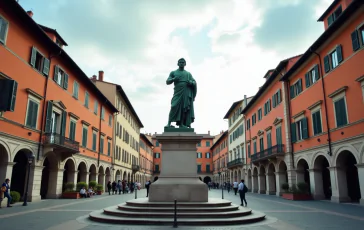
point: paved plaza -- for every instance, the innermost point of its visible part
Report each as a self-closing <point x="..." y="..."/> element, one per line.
<point x="64" y="214"/>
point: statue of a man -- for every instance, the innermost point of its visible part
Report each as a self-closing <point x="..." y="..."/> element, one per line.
<point x="185" y="90"/>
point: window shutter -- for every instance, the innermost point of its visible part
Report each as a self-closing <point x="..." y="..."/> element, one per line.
<point x="307" y="80"/>
<point x="55" y="76"/>
<point x="30" y="114"/>
<point x="293" y="133"/>
<point x="300" y="85"/>
<point x="330" y="20"/>
<point x="269" y="105"/>
<point x="279" y="96"/>
<point x="274" y="101"/>
<point x="33" y="56"/>
<point x="11" y="88"/>
<point x="355" y="40"/>
<point x="339" y="53"/>
<point x="3" y="26"/>
<point x="317" y="73"/>
<point x="46" y="65"/>
<point x="63" y="123"/>
<point x="327" y="63"/>
<point x="314" y="122"/>
<point x="304" y="128"/>
<point x="318" y="122"/>
<point x="205" y="155"/>
<point x="48" y="124"/>
<point x="291" y="91"/>
<point x="65" y="81"/>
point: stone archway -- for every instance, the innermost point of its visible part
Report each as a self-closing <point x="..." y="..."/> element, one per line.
<point x="347" y="176"/>
<point x="271" y="180"/>
<point x="20" y="171"/>
<point x="107" y="178"/>
<point x="239" y="175"/>
<point x="129" y="177"/>
<point x="82" y="172"/>
<point x="321" y="178"/>
<point x="262" y="180"/>
<point x="206" y="179"/>
<point x="124" y="175"/>
<point x="69" y="173"/>
<point x="51" y="186"/>
<point x="101" y="176"/>
<point x="303" y="174"/>
<point x="4" y="162"/>
<point x="117" y="175"/>
<point x="92" y="173"/>
<point x="255" y="180"/>
<point x="281" y="177"/>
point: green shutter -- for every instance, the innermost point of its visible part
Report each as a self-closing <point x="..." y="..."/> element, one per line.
<point x="84" y="137"/>
<point x="72" y="130"/>
<point x="340" y="109"/>
<point x="3" y="26"/>
<point x="304" y="128"/>
<point x="86" y="99"/>
<point x="293" y="133"/>
<point x="355" y="40"/>
<point x="10" y="90"/>
<point x="291" y="91"/>
<point x="274" y="101"/>
<point x="317" y="73"/>
<point x="46" y="66"/>
<point x="317" y="122"/>
<point x="279" y="136"/>
<point x="30" y="114"/>
<point x="35" y="115"/>
<point x="327" y="63"/>
<point x="307" y="80"/>
<point x="48" y="124"/>
<point x="101" y="145"/>
<point x="108" y="148"/>
<point x="63" y="123"/>
<point x="65" y="81"/>
<point x="279" y="96"/>
<point x="314" y="122"/>
<point x="330" y="20"/>
<point x="300" y="85"/>
<point x="55" y="76"/>
<point x="33" y="56"/>
<point x="339" y="53"/>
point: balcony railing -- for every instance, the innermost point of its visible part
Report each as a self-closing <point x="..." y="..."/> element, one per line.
<point x="135" y="167"/>
<point x="269" y="153"/>
<point x="60" y="143"/>
<point x="236" y="162"/>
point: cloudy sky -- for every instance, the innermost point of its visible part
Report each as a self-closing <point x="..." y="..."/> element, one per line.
<point x="228" y="45"/>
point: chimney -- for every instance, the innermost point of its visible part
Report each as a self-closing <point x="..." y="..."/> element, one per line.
<point x="208" y="132"/>
<point x="155" y="133"/>
<point x="30" y="13"/>
<point x="245" y="101"/>
<point x="101" y="75"/>
<point x="93" y="78"/>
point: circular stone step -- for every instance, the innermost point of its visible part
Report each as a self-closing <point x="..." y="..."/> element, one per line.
<point x="114" y="211"/>
<point x="181" y="209"/>
<point x="212" y="202"/>
<point x="100" y="216"/>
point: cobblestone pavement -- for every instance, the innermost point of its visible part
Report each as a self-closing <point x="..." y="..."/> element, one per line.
<point x="281" y="214"/>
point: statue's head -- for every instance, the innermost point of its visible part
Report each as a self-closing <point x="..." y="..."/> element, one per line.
<point x="181" y="63"/>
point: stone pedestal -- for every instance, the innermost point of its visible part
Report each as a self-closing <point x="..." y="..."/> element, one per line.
<point x="178" y="179"/>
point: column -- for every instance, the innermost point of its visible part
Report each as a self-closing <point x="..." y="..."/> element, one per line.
<point x="361" y="181"/>
<point x="262" y="183"/>
<point x="35" y="181"/>
<point x="292" y="177"/>
<point x="300" y="176"/>
<point x="338" y="179"/>
<point x="55" y="183"/>
<point x="316" y="186"/>
<point x="270" y="183"/>
<point x="280" y="179"/>
<point x="255" y="186"/>
<point x="6" y="170"/>
<point x="101" y="179"/>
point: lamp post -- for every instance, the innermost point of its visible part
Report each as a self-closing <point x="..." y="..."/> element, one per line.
<point x="30" y="161"/>
<point x="222" y="187"/>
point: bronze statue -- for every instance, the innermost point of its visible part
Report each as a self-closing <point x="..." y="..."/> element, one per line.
<point x="185" y="90"/>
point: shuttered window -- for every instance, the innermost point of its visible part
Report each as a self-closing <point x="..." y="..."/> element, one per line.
<point x="340" y="112"/>
<point x="3" y="29"/>
<point x="32" y="114"/>
<point x="84" y="137"/>
<point x="102" y="144"/>
<point x="75" y="89"/>
<point x="72" y="134"/>
<point x="87" y="98"/>
<point x="94" y="139"/>
<point x="108" y="148"/>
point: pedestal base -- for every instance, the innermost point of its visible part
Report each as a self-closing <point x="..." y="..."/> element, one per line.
<point x="182" y="189"/>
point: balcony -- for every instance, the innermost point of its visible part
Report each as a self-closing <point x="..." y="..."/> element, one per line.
<point x="135" y="168"/>
<point x="235" y="163"/>
<point x="156" y="171"/>
<point x="268" y="154"/>
<point x="60" y="144"/>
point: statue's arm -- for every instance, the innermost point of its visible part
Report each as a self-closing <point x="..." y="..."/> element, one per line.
<point x="170" y="79"/>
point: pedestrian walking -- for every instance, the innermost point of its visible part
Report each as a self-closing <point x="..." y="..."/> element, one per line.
<point x="147" y="185"/>
<point x="109" y="187"/>
<point x="235" y="187"/>
<point x="242" y="190"/>
<point x="6" y="191"/>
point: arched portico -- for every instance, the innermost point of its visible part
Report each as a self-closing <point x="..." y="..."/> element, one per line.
<point x="320" y="177"/>
<point x="271" y="180"/>
<point x="51" y="186"/>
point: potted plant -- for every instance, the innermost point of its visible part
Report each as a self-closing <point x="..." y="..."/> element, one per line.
<point x="297" y="192"/>
<point x="69" y="191"/>
<point x="99" y="189"/>
<point x="92" y="184"/>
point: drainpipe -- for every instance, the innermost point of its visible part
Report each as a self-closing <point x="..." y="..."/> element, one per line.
<point x="325" y="102"/>
<point x="98" y="155"/>
<point x="44" y="104"/>
<point x="289" y="117"/>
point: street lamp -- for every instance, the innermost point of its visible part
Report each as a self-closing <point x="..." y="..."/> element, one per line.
<point x="30" y="161"/>
<point x="222" y="187"/>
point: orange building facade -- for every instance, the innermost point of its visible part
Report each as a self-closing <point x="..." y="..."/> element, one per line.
<point x="268" y="155"/>
<point x="220" y="158"/>
<point x="204" y="164"/>
<point x="146" y="158"/>
<point x="327" y="107"/>
<point x="55" y="113"/>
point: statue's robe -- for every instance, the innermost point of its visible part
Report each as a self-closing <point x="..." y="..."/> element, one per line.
<point x="182" y="110"/>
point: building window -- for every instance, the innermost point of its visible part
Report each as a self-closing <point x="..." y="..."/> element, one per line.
<point x="96" y="106"/>
<point x="108" y="148"/>
<point x="39" y="62"/>
<point x="32" y="112"/>
<point x="87" y="98"/>
<point x="334" y="16"/>
<point x="312" y="76"/>
<point x="156" y="168"/>
<point x="267" y="107"/>
<point x="255" y="147"/>
<point x="199" y="155"/>
<point x="94" y="139"/>
<point x="247" y="125"/>
<point x="260" y="114"/>
<point x="110" y="120"/>
<point x="157" y="155"/>
<point x="198" y="168"/>
<point x="333" y="59"/>
<point x="75" y="89"/>
<point x="357" y="38"/>
<point x="279" y="135"/>
<point x="102" y="138"/>
<point x="208" y="168"/>
<point x="340" y="112"/>
<point x="261" y="144"/>
<point x="254" y="119"/>
<point x="269" y="140"/>
<point x="72" y="134"/>
<point x="3" y="29"/>
<point x="207" y="143"/>
<point x="60" y="77"/>
<point x="299" y="130"/>
<point x="316" y="122"/>
<point x="199" y="144"/>
<point x="296" y="88"/>
<point x="102" y="113"/>
<point x="84" y="137"/>
<point x="249" y="151"/>
<point x="207" y="155"/>
<point x="277" y="98"/>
